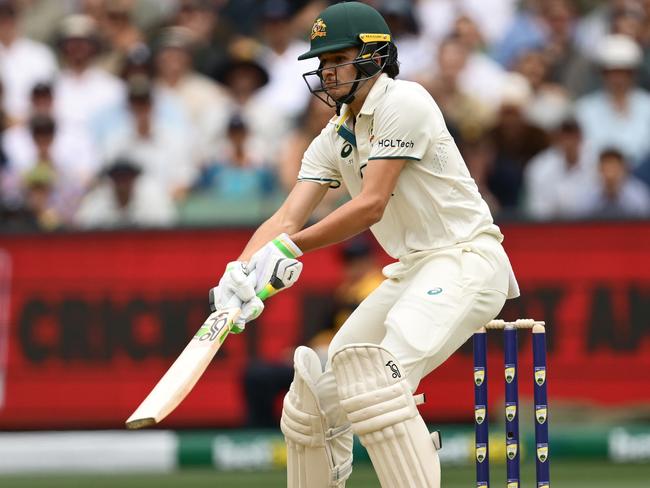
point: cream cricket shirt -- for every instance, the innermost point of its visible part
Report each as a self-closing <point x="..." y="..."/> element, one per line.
<point x="436" y="203"/>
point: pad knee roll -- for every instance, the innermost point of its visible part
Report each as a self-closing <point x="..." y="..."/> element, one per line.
<point x="311" y="461"/>
<point x="383" y="413"/>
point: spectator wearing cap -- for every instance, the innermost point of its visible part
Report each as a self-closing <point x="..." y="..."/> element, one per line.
<point x="634" y="21"/>
<point x="558" y="180"/>
<point x="593" y="27"/>
<point x="38" y="211"/>
<point x="514" y="141"/>
<point x="160" y="144"/>
<point x="619" y="114"/>
<point x="279" y="57"/>
<point x="618" y="194"/>
<point x="244" y="78"/>
<point x="23" y="62"/>
<point x="69" y="153"/>
<point x="167" y="109"/>
<point x="202" y="99"/>
<point x="42" y="142"/>
<point x="83" y="91"/>
<point x="238" y="185"/>
<point x="126" y="197"/>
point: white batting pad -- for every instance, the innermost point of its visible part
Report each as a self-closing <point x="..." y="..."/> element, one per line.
<point x="310" y="456"/>
<point x="383" y="413"/>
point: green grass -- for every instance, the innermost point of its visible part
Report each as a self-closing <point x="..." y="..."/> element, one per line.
<point x="563" y="475"/>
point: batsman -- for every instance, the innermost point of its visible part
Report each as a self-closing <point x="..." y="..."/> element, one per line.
<point x="389" y="146"/>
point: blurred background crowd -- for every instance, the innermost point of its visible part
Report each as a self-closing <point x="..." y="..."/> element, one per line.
<point x="194" y="112"/>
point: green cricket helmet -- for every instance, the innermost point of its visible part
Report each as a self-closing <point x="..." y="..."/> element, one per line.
<point x="344" y="25"/>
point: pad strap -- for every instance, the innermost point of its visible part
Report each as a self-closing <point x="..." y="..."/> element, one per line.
<point x="377" y="399"/>
<point x="310" y="454"/>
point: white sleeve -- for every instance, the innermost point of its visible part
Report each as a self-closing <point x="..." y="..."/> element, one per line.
<point x="318" y="165"/>
<point x="404" y="127"/>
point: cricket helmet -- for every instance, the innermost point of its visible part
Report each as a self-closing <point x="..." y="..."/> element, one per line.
<point x="351" y="24"/>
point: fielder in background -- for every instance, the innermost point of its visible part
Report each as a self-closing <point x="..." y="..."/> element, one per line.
<point x="409" y="185"/>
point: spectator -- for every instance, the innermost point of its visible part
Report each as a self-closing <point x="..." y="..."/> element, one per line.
<point x="238" y="186"/>
<point x="126" y="196"/>
<point x="210" y="36"/>
<point x="119" y="33"/>
<point x="42" y="99"/>
<point x="619" y="115"/>
<point x="634" y="22"/>
<point x="558" y="179"/>
<point x="481" y="75"/>
<point x="593" y="27"/>
<point x="279" y="57"/>
<point x="618" y="194"/>
<point x="549" y="100"/>
<point x="42" y="139"/>
<point x="23" y="63"/>
<point x="37" y="211"/>
<point x="437" y="16"/>
<point x="567" y="66"/>
<point x="160" y="144"/>
<point x="202" y="99"/>
<point x="414" y="51"/>
<point x="244" y="78"/>
<point x="82" y="91"/>
<point x="462" y="110"/>
<point x="5" y="193"/>
<point x="515" y="141"/>
<point x="526" y="32"/>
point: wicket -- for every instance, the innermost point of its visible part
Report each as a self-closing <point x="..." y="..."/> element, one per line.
<point x="511" y="402"/>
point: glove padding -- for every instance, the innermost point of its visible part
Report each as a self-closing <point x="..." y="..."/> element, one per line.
<point x="234" y="282"/>
<point x="249" y="311"/>
<point x="275" y="266"/>
<point x="237" y="289"/>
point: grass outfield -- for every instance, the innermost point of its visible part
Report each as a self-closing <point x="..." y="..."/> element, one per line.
<point x="563" y="475"/>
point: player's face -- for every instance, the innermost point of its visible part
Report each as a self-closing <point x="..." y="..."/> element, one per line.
<point x="337" y="79"/>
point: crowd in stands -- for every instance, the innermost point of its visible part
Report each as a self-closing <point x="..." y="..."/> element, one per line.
<point x="171" y="112"/>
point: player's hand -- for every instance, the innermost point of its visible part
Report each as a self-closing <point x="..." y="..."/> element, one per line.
<point x="275" y="266"/>
<point x="250" y="310"/>
<point x="235" y="283"/>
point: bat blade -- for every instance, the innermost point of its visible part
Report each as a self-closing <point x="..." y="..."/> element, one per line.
<point x="181" y="377"/>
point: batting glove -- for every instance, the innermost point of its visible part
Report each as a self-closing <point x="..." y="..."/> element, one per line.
<point x="275" y="266"/>
<point x="233" y="283"/>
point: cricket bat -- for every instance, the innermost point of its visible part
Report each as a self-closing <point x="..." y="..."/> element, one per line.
<point x="181" y="377"/>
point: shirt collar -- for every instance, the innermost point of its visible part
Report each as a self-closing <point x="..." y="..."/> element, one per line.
<point x="370" y="103"/>
<point x="375" y="95"/>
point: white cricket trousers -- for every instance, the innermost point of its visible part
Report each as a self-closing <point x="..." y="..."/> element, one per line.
<point x="428" y="306"/>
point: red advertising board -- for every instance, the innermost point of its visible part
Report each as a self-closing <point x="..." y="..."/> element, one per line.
<point x="95" y="319"/>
